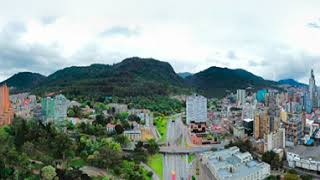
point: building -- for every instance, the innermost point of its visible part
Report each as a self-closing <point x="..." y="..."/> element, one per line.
<point x="294" y="129"/>
<point x="275" y="140"/>
<point x="23" y="105"/>
<point x="265" y="122"/>
<point x="304" y="157"/>
<point x="261" y="95"/>
<point x="241" y="97"/>
<point x="230" y="164"/>
<point x="115" y="108"/>
<point x="111" y="128"/>
<point x="196" y="109"/>
<point x="238" y="131"/>
<point x="54" y="109"/>
<point x="6" y="112"/>
<point x="248" y="126"/>
<point x="133" y="135"/>
<point x="145" y="115"/>
<point x="313" y="90"/>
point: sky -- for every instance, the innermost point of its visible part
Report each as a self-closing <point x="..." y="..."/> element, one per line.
<point x="273" y="39"/>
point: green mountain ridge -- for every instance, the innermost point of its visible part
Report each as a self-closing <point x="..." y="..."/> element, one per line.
<point x="139" y="77"/>
<point x="131" y="77"/>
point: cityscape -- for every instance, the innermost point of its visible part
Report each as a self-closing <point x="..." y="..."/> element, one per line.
<point x="159" y="90"/>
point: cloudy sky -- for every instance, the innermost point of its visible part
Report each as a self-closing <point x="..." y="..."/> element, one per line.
<point x="274" y="39"/>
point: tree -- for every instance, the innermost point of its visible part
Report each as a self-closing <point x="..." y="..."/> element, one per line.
<point x="119" y="129"/>
<point x="272" y="158"/>
<point x="108" y="154"/>
<point x="152" y="147"/>
<point x="121" y="139"/>
<point x="100" y="119"/>
<point x="48" y="172"/>
<point x="133" y="117"/>
<point x="121" y="116"/>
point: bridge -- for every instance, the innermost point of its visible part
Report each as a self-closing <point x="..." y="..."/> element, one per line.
<point x="187" y="150"/>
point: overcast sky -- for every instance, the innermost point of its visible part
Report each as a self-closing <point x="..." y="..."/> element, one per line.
<point x="274" y="39"/>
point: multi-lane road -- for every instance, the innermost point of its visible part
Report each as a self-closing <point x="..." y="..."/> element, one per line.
<point x="175" y="163"/>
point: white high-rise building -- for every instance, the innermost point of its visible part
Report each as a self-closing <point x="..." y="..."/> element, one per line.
<point x="197" y="110"/>
<point x="241" y="97"/>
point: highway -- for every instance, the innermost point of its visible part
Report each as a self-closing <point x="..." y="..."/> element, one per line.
<point x="177" y="163"/>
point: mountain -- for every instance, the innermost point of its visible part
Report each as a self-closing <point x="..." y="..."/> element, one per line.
<point x="292" y="82"/>
<point x="216" y="81"/>
<point x="131" y="77"/>
<point x="137" y="77"/>
<point x="184" y="74"/>
<point x="24" y="81"/>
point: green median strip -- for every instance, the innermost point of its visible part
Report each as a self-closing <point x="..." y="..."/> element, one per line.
<point x="161" y="125"/>
<point x="156" y="163"/>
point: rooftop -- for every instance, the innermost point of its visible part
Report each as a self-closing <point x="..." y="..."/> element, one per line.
<point x="306" y="152"/>
<point x="231" y="163"/>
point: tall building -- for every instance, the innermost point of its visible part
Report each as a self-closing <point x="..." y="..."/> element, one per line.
<point x="229" y="164"/>
<point x="241" y="97"/>
<point x="197" y="110"/>
<point x="275" y="140"/>
<point x="54" y="108"/>
<point x="6" y="112"/>
<point x="313" y="90"/>
<point x="294" y="129"/>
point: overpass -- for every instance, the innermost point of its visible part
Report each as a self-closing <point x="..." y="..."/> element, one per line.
<point x="188" y="150"/>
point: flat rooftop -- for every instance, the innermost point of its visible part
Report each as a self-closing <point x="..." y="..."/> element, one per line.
<point x="241" y="164"/>
<point x="306" y="152"/>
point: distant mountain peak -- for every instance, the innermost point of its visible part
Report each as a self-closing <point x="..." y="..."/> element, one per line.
<point x="184" y="74"/>
<point x="24" y="80"/>
<point x="217" y="81"/>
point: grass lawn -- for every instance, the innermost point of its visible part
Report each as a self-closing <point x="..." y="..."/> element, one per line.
<point x="161" y="124"/>
<point x="155" y="162"/>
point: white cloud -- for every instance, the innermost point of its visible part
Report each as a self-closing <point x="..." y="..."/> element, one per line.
<point x="274" y="39"/>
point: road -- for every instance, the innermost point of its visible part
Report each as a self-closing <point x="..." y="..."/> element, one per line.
<point x="175" y="162"/>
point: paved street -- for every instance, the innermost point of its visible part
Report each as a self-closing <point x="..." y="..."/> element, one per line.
<point x="172" y="162"/>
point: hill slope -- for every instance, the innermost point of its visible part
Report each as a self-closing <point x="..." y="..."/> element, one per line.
<point x="24" y="81"/>
<point x="292" y="82"/>
<point x="131" y="77"/>
<point x="216" y="81"/>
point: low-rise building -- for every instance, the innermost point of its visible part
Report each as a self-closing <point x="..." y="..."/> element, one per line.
<point x="133" y="135"/>
<point x="116" y="108"/>
<point x="238" y="131"/>
<point x="110" y="128"/>
<point x="145" y="115"/>
<point x="304" y="157"/>
<point x="230" y="164"/>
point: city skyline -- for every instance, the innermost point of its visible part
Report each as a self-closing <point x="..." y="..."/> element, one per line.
<point x="192" y="38"/>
